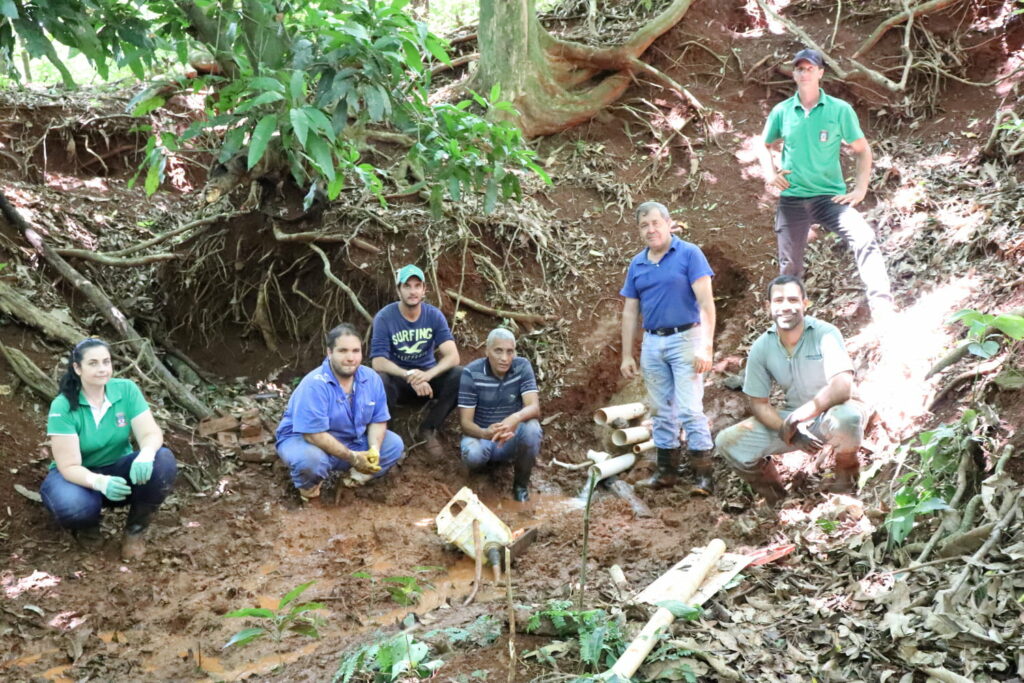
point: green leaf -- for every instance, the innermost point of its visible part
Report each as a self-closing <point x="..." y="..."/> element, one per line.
<point x="304" y="630"/>
<point x="436" y="48"/>
<point x="265" y="129"/>
<point x="1010" y="325"/>
<point x="297" y="86"/>
<point x="8" y="9"/>
<point x="930" y="505"/>
<point x="321" y="155"/>
<point x="152" y="179"/>
<point x="300" y="124"/>
<point x="376" y="102"/>
<point x="680" y="610"/>
<point x="319" y="121"/>
<point x="146" y="106"/>
<point x="267" y="84"/>
<point x="258" y="612"/>
<point x="490" y="195"/>
<point x="259" y="101"/>
<point x="294" y="593"/>
<point x="245" y="636"/>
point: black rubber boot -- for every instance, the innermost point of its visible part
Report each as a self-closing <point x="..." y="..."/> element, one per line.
<point x="765" y="480"/>
<point x="703" y="471"/>
<point x="666" y="476"/>
<point x="521" y="478"/>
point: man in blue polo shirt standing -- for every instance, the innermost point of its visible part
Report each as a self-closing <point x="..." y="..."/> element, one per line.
<point x="406" y="335"/>
<point x="811" y="126"/>
<point x="668" y="284"/>
<point x="336" y="419"/>
<point x="499" y="410"/>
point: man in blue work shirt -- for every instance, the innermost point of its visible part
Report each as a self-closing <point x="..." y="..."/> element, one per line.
<point x="668" y="284"/>
<point x="336" y="419"/>
<point x="806" y="357"/>
<point x="499" y="410"/>
<point x="406" y="335"/>
<point x="811" y="126"/>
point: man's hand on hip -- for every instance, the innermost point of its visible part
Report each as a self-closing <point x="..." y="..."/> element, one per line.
<point x="628" y="367"/>
<point x="850" y="198"/>
<point x="778" y="180"/>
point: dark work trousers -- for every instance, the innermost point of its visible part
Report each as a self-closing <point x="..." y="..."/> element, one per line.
<point x="446" y="394"/>
<point x="793" y="220"/>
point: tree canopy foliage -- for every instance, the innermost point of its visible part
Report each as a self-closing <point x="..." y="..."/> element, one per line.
<point x="306" y="87"/>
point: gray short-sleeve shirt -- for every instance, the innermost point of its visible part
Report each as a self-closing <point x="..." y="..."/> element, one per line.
<point x="819" y="356"/>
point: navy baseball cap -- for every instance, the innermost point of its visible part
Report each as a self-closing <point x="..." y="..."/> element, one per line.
<point x="809" y="55"/>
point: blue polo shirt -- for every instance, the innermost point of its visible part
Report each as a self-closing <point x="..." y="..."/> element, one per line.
<point x="811" y="141"/>
<point x="409" y="345"/>
<point x="495" y="398"/>
<point x="319" y="404"/>
<point x="665" y="288"/>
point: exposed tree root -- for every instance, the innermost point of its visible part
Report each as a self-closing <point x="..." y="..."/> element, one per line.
<point x="141" y="346"/>
<point x="543" y="75"/>
<point x="107" y="260"/>
<point x="896" y="19"/>
<point x="529" y="318"/>
<point x="345" y="288"/>
<point x="29" y="373"/>
<point x="14" y="304"/>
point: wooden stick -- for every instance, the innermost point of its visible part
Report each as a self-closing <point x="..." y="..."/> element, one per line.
<point x="642" y="645"/>
<point x="498" y="313"/>
<point x="478" y="572"/>
<point x="178" y="391"/>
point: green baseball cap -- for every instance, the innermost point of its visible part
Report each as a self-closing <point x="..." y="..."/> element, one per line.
<point x="406" y="272"/>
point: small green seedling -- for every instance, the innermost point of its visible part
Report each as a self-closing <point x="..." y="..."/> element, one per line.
<point x="301" y="619"/>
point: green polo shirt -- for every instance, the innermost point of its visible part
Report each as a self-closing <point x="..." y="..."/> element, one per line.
<point x="108" y="441"/>
<point x="819" y="356"/>
<point x="811" y="142"/>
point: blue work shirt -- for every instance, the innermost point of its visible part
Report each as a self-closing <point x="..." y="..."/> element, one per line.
<point x="409" y="345"/>
<point x="494" y="398"/>
<point x="665" y="288"/>
<point x="319" y="404"/>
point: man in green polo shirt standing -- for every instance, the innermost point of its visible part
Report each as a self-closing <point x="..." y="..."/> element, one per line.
<point x="811" y="126"/>
<point x="807" y="359"/>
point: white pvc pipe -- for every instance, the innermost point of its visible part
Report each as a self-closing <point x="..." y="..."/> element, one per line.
<point x="624" y="437"/>
<point x="598" y="456"/>
<point x="603" y="470"/>
<point x="626" y="411"/>
<point x="643" y="447"/>
<point x="689" y="584"/>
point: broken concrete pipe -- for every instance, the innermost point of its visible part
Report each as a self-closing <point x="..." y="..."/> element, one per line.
<point x="603" y="470"/>
<point x="629" y="435"/>
<point x="640" y="448"/>
<point x="626" y="411"/>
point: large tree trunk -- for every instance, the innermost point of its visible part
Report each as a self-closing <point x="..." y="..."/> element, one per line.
<point x="544" y="77"/>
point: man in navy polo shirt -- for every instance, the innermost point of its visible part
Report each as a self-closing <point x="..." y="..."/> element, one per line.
<point x="336" y="419"/>
<point x="811" y="126"/>
<point x="406" y="335"/>
<point x="499" y="410"/>
<point x="668" y="284"/>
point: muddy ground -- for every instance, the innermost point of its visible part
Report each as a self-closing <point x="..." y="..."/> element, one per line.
<point x="234" y="534"/>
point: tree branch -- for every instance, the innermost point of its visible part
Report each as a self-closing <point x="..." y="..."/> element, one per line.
<point x="894" y="20"/>
<point x="17" y="306"/>
<point x="498" y="313"/>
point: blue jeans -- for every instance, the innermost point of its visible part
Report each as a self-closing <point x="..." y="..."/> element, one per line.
<point x="747" y="443"/>
<point x="309" y="465"/>
<point x="524" y="444"/>
<point x="676" y="392"/>
<point x="76" y="507"/>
